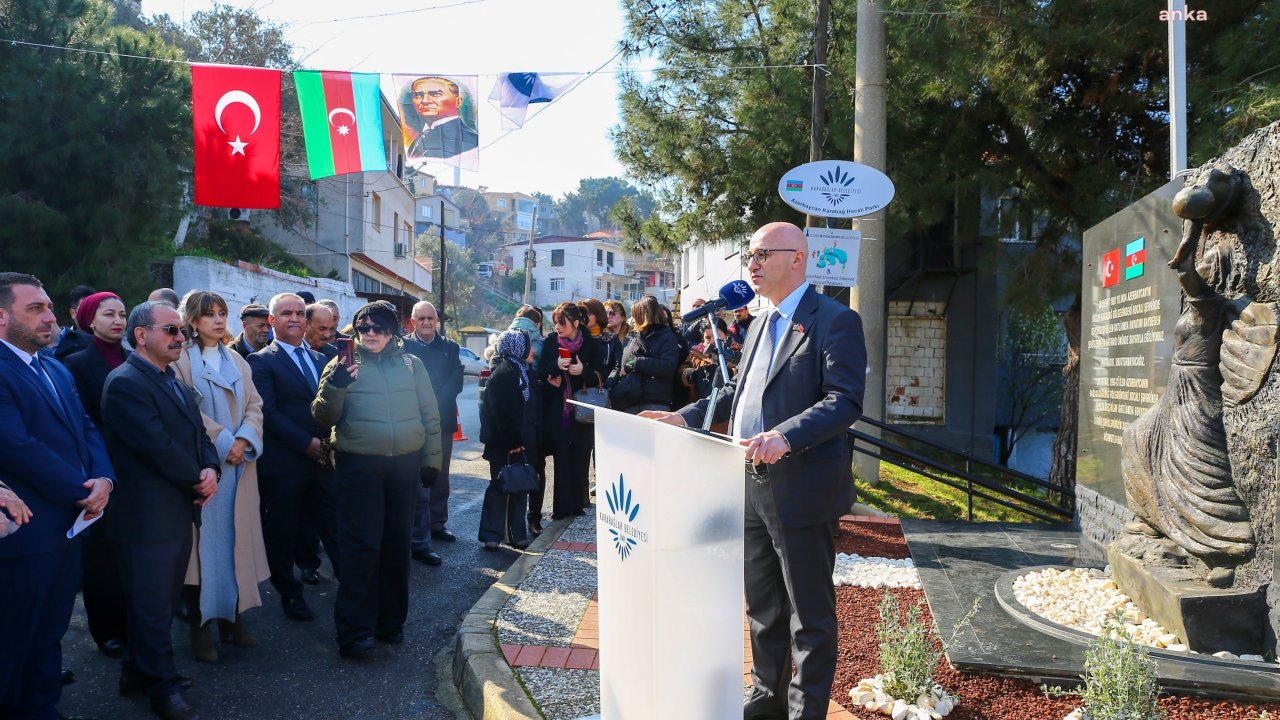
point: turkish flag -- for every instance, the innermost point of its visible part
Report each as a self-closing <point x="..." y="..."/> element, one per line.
<point x="235" y="112"/>
<point x="1111" y="268"/>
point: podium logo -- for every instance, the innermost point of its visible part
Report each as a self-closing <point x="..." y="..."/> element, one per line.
<point x="622" y="513"/>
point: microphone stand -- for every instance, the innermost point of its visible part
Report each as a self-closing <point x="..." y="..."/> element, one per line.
<point x="721" y="380"/>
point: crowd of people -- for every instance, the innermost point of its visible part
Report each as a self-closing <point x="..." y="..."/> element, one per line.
<point x="226" y="462"/>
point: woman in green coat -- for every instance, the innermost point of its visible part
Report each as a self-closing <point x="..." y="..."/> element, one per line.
<point x="386" y="441"/>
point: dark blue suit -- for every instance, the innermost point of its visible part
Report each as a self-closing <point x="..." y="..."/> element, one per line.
<point x="812" y="394"/>
<point x="289" y="480"/>
<point x="47" y="452"/>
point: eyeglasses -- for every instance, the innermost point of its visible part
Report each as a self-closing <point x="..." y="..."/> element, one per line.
<point x="375" y="329"/>
<point x="762" y="254"/>
<point x="173" y="330"/>
<point x="613" y="312"/>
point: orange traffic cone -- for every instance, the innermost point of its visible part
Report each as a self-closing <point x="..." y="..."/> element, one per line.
<point x="457" y="431"/>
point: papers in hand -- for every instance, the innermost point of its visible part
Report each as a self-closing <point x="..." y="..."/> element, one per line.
<point x="81" y="523"/>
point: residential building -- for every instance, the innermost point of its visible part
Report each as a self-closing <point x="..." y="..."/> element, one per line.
<point x="516" y="212"/>
<point x="568" y="268"/>
<point x="362" y="229"/>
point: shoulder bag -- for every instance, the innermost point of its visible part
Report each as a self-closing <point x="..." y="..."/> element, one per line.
<point x="591" y="396"/>
<point x="517" y="478"/>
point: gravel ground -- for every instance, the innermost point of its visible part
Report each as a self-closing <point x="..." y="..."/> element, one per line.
<point x="982" y="697"/>
<point x="551" y="601"/>
<point x="563" y="694"/>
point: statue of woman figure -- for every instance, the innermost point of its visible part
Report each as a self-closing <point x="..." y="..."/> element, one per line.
<point x="1177" y="473"/>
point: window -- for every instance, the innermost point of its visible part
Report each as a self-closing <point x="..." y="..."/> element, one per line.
<point x="377" y="211"/>
<point x="501" y="202"/>
<point x="599" y="284"/>
<point x="599" y="257"/>
<point x="609" y="260"/>
<point x="557" y="260"/>
<point x="524" y="221"/>
<point x="426" y="211"/>
<point x="557" y="284"/>
<point x="408" y="238"/>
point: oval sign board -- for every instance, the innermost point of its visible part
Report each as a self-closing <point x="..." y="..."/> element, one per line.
<point x="836" y="189"/>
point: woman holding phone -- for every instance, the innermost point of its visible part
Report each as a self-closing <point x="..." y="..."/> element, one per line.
<point x="387" y="441"/>
<point x="571" y="361"/>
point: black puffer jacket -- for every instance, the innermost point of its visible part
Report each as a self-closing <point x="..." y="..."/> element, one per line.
<point x="656" y="352"/>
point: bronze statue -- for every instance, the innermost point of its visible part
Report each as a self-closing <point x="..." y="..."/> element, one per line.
<point x="1178" y="476"/>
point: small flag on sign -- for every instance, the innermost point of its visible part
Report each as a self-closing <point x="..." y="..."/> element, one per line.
<point x="795" y="185"/>
<point x="1135" y="256"/>
<point x="1111" y="268"/>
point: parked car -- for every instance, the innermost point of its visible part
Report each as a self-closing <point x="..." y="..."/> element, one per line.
<point x="484" y="270"/>
<point x="471" y="363"/>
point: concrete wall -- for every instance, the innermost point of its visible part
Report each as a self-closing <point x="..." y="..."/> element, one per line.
<point x="243" y="283"/>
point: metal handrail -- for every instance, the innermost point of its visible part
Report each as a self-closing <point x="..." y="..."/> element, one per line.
<point x="1049" y="512"/>
<point x="970" y="458"/>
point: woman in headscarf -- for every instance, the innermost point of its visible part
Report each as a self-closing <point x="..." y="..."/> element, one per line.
<point x="387" y="441"/>
<point x="103" y="315"/>
<point x="507" y="429"/>
<point x="228" y="557"/>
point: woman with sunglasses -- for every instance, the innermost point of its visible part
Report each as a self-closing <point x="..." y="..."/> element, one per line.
<point x="228" y="558"/>
<point x="386" y="437"/>
<point x="571" y="361"/>
<point x="103" y="315"/>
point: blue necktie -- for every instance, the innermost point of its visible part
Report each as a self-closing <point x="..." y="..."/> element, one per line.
<point x="46" y="384"/>
<point x="307" y="372"/>
<point x="750" y="420"/>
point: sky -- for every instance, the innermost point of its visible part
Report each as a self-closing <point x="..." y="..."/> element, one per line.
<point x="560" y="143"/>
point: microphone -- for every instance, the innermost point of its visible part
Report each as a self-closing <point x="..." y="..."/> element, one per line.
<point x="733" y="295"/>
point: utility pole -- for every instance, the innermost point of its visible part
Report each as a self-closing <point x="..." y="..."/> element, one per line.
<point x="528" y="255"/>
<point x="444" y="268"/>
<point x="869" y="149"/>
<point x="1177" y="87"/>
<point x="817" y="119"/>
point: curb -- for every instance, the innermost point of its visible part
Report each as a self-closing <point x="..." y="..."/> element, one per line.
<point x="486" y="683"/>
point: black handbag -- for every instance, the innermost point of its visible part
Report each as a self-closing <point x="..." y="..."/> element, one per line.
<point x="628" y="391"/>
<point x="516" y="478"/>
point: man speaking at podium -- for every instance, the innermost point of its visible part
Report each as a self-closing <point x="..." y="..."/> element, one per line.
<point x="798" y="390"/>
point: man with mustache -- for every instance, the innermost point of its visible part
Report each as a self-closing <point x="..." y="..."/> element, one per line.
<point x="53" y="464"/>
<point x="167" y="470"/>
<point x="286" y="374"/>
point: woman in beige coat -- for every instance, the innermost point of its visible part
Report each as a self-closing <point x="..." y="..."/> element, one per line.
<point x="228" y="558"/>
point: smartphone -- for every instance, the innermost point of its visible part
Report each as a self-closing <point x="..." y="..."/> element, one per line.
<point x="346" y="351"/>
<point x="565" y="353"/>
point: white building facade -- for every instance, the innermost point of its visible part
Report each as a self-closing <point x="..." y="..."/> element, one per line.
<point x="569" y="269"/>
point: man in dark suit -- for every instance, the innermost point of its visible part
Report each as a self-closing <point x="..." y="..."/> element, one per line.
<point x="257" y="330"/>
<point x="286" y="374"/>
<point x="54" y="465"/>
<point x="319" y="336"/>
<point x="168" y="469"/>
<point x="799" y="389"/>
<point x="73" y="339"/>
<point x="440" y="356"/>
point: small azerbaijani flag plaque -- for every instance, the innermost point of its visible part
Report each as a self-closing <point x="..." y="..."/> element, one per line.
<point x="795" y="185"/>
<point x="1135" y="258"/>
<point x="341" y="121"/>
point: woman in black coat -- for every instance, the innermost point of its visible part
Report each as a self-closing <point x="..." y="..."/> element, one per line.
<point x="103" y="315"/>
<point x="571" y="361"/>
<point x="652" y="355"/>
<point x="508" y="420"/>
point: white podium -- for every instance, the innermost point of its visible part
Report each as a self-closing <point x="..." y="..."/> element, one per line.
<point x="669" y="509"/>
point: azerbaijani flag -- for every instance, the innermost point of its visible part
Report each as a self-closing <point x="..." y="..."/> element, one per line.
<point x="341" y="121"/>
<point x="1135" y="256"/>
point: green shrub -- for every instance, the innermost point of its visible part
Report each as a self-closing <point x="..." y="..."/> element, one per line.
<point x="908" y="657"/>
<point x="1120" y="681"/>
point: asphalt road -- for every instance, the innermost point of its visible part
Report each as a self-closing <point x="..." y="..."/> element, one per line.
<point x="296" y="672"/>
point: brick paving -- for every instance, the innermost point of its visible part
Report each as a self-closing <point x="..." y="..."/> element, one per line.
<point x="583" y="653"/>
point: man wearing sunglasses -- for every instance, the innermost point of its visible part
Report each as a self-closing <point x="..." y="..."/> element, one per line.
<point x="292" y="478"/>
<point x="167" y="469"/>
<point x="797" y="392"/>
